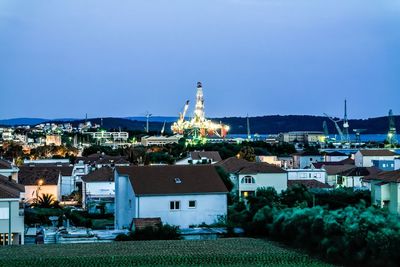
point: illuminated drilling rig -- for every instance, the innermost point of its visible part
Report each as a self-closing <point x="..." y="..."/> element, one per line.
<point x="198" y="128"/>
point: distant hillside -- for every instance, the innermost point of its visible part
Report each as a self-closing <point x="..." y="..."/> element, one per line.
<point x="22" y="121"/>
<point x="263" y="124"/>
<point x="276" y="124"/>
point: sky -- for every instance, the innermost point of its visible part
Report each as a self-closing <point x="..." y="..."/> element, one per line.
<point x="66" y="58"/>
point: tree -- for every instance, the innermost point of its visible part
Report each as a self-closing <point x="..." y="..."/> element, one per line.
<point x="296" y="195"/>
<point x="46" y="201"/>
<point x="247" y="153"/>
<point x="225" y="178"/>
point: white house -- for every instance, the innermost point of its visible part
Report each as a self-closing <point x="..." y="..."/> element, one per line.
<point x="307" y="174"/>
<point x="385" y="190"/>
<point x="99" y="187"/>
<point x="11" y="216"/>
<point x="335" y="156"/>
<point x="270" y="160"/>
<point x="354" y="177"/>
<point x="364" y="158"/>
<point x="250" y="176"/>
<point x="42" y="180"/>
<point x="200" y="157"/>
<point x="180" y="195"/>
<point x="305" y="159"/>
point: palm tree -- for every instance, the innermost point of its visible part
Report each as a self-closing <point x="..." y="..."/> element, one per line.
<point x="45" y="201"/>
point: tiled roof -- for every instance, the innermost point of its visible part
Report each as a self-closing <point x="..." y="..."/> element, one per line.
<point x="174" y="179"/>
<point x="377" y="152"/>
<point x="319" y="165"/>
<point x="31" y="175"/>
<point x="141" y="223"/>
<point x="312" y="183"/>
<point x="360" y="171"/>
<point x="104" y="174"/>
<point x="385" y="176"/>
<point x="214" y="155"/>
<point x="336" y="169"/>
<point x="235" y="165"/>
<point x="9" y="189"/>
<point x="5" y="164"/>
<point x="261" y="167"/>
<point x="336" y="153"/>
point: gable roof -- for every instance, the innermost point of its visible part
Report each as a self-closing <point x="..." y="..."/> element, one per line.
<point x="335" y="154"/>
<point x="29" y="175"/>
<point x="235" y="165"/>
<point x="10" y="189"/>
<point x="386" y="176"/>
<point x="5" y="164"/>
<point x="376" y="152"/>
<point x="336" y="169"/>
<point x="104" y="174"/>
<point x="160" y="180"/>
<point x="213" y="155"/>
<point x="319" y="165"/>
<point x="261" y="167"/>
<point x="310" y="183"/>
<point x="360" y="171"/>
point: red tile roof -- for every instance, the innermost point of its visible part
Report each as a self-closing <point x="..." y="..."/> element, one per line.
<point x="385" y="176"/>
<point x="104" y="174"/>
<point x="377" y="152"/>
<point x="29" y="175"/>
<point x="162" y="180"/>
<point x="10" y="189"/>
<point x="213" y="155"/>
<point x="235" y="165"/>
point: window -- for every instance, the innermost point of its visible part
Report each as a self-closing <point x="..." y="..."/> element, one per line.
<point x="192" y="204"/>
<point x="178" y="181"/>
<point x="174" y="205"/>
<point x="340" y="180"/>
<point x="130" y="203"/>
<point x="248" y="180"/>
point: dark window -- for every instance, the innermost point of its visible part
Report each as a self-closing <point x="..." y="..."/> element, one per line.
<point x="174" y="205"/>
<point x="192" y="203"/>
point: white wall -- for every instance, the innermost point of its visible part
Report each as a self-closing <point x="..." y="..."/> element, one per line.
<point x="124" y="202"/>
<point x="67" y="185"/>
<point x="17" y="221"/>
<point x="366" y="161"/>
<point x="275" y="180"/>
<point x="106" y="189"/>
<point x="30" y="191"/>
<point x="208" y="208"/>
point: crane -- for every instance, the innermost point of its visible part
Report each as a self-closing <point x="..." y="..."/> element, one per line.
<point x="148" y="115"/>
<point x="337" y="126"/>
<point x="163" y="128"/>
<point x="345" y="124"/>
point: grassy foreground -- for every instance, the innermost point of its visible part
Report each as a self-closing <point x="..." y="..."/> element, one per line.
<point x="221" y="252"/>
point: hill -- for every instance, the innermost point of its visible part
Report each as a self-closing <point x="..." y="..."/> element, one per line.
<point x="271" y="124"/>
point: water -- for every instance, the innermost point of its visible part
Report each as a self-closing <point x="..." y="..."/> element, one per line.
<point x="364" y="137"/>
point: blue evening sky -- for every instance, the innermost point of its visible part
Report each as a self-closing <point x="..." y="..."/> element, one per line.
<point x="65" y="58"/>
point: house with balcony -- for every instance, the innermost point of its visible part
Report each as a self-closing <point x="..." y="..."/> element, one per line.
<point x="247" y="176"/>
<point x="98" y="190"/>
<point x="385" y="190"/>
<point x="11" y="215"/>
<point x="180" y="195"/>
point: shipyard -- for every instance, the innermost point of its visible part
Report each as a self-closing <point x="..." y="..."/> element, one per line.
<point x="199" y="133"/>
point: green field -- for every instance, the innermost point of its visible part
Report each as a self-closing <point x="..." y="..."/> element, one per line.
<point x="221" y="252"/>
